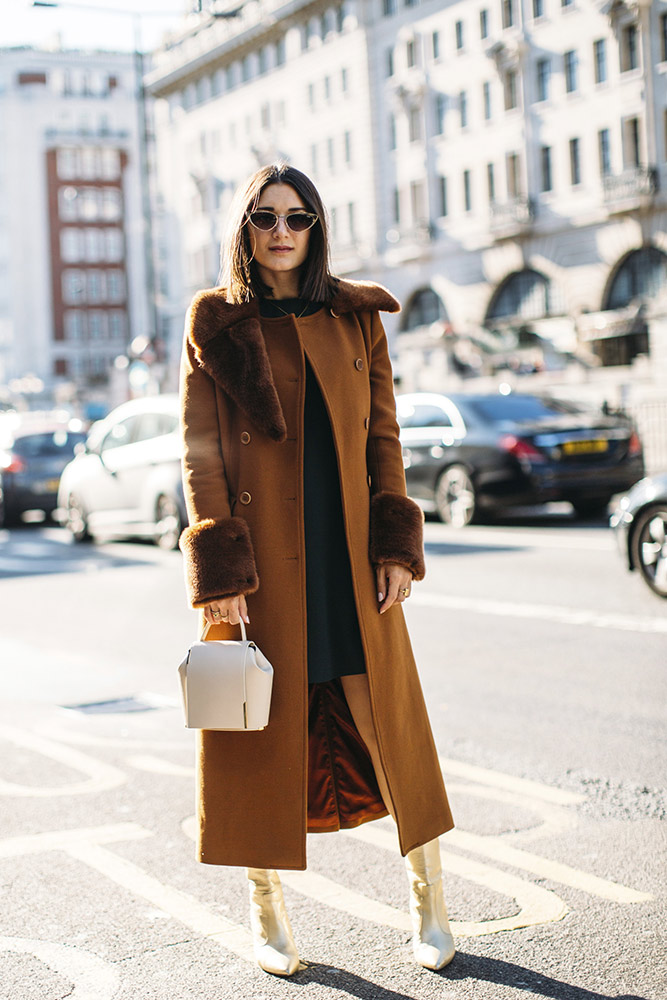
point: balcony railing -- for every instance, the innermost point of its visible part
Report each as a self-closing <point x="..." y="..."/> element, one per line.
<point x="631" y="187"/>
<point x="511" y="218"/>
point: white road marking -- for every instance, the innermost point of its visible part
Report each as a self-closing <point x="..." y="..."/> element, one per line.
<point x="156" y="765"/>
<point x="338" y="897"/>
<point x="101" y="776"/>
<point x="93" y="978"/>
<point x="61" y="840"/>
<point x="499" y="779"/>
<point x="554" y="819"/>
<point x="89" y="739"/>
<point x="536" y="905"/>
<point x="492" y="847"/>
<point x="86" y="846"/>
<point x="540" y="612"/>
<point x="182" y="907"/>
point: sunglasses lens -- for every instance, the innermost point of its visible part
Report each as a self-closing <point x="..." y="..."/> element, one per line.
<point x="263" y="220"/>
<point x="298" y="222"/>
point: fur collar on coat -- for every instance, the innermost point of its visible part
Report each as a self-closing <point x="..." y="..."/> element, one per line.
<point x="229" y="346"/>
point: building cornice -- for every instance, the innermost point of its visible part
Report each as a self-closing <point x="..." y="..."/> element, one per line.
<point x="228" y="40"/>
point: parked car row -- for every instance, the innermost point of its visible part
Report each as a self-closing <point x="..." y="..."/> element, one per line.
<point x="464" y="455"/>
<point x="126" y="480"/>
<point x="34" y="450"/>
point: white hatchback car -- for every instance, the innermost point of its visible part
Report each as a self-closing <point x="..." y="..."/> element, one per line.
<point x="126" y="480"/>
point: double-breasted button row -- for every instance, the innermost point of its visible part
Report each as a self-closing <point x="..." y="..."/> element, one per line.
<point x="245" y="437"/>
<point x="245" y="497"/>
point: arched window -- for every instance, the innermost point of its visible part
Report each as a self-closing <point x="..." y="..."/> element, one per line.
<point x="525" y="295"/>
<point x="425" y="307"/>
<point x="641" y="275"/>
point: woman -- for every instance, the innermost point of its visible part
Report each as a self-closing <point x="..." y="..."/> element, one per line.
<point x="299" y="522"/>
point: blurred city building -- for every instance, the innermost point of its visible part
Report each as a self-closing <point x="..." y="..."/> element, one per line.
<point x="499" y="164"/>
<point x="73" y="265"/>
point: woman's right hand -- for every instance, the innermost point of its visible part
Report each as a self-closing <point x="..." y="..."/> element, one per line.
<point x="228" y="611"/>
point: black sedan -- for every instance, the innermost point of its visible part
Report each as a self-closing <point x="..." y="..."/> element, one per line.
<point x="465" y="453"/>
<point x="33" y="454"/>
<point x="640" y="522"/>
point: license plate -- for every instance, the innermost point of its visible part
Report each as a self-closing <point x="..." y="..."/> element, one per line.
<point x="585" y="447"/>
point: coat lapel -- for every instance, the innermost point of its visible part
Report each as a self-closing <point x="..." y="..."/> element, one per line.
<point x="230" y="347"/>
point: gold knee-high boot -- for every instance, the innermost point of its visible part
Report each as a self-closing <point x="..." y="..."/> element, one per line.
<point x="432" y="940"/>
<point x="275" y="949"/>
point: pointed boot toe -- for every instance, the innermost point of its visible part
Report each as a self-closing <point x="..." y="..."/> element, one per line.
<point x="278" y="963"/>
<point x="434" y="954"/>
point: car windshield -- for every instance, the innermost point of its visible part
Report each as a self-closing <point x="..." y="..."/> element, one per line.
<point x="519" y="409"/>
<point x="45" y="445"/>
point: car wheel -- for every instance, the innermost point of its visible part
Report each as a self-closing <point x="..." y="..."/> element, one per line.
<point x="591" y="506"/>
<point x="168" y="523"/>
<point x="649" y="547"/>
<point x="455" y="498"/>
<point x="77" y="521"/>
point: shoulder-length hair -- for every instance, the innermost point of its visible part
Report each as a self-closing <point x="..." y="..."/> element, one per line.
<point x="238" y="270"/>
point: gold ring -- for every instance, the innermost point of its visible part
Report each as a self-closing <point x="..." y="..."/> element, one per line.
<point x="216" y="614"/>
<point x="406" y="591"/>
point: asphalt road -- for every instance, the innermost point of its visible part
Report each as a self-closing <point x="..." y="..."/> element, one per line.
<point x="543" y="664"/>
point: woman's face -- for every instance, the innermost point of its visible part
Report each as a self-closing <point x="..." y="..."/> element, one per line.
<point x="279" y="251"/>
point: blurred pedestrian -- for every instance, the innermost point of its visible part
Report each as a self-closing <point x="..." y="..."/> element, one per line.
<point x="300" y="524"/>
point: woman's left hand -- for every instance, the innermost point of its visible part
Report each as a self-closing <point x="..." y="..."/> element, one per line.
<point x="394" y="584"/>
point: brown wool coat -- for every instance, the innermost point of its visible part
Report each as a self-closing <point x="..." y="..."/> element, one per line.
<point x="242" y="384"/>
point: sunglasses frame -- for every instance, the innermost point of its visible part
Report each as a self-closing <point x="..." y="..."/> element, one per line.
<point x="266" y="211"/>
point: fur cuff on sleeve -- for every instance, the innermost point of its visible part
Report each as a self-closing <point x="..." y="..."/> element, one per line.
<point x="397" y="532"/>
<point x="219" y="561"/>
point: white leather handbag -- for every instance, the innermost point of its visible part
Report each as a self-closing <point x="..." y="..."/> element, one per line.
<point x="226" y="684"/>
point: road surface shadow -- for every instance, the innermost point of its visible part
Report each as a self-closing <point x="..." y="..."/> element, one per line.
<point x="463" y="967"/>
<point x="30" y="552"/>
<point x="493" y="970"/>
<point x="464" y="548"/>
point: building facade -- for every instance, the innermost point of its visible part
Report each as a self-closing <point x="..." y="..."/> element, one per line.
<point x="499" y="164"/>
<point x="73" y="276"/>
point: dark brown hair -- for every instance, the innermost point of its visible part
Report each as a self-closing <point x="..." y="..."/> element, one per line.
<point x="238" y="270"/>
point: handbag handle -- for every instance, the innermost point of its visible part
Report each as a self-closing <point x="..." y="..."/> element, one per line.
<point x="207" y="626"/>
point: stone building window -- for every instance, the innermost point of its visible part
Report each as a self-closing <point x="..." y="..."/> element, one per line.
<point x="604" y="150"/>
<point x="425" y="307"/>
<point x="600" y="59"/>
<point x="575" y="161"/>
<point x="642" y="275"/>
<point x="525" y="295"/>
<point x="510" y="89"/>
<point x="570" y="64"/>
<point x="508" y="13"/>
<point x="629" y="48"/>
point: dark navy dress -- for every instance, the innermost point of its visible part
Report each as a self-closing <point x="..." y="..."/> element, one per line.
<point x="334" y="640"/>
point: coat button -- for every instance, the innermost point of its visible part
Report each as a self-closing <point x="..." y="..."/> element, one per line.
<point x="245" y="437"/>
<point x="245" y="497"/>
<point x="367" y="423"/>
<point x="358" y="364"/>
